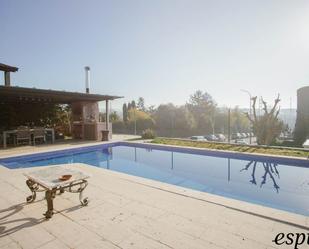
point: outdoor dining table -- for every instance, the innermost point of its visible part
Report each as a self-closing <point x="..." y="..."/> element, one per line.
<point x="5" y="133"/>
<point x="48" y="180"/>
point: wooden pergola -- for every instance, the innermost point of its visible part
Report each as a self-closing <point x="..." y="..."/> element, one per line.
<point x="85" y="108"/>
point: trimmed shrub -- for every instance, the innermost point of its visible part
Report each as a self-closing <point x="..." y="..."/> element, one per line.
<point x="148" y="134"/>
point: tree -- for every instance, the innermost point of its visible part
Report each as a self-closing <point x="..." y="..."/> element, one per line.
<point x="203" y="107"/>
<point x="266" y="127"/>
<point x="63" y="119"/>
<point x="173" y="121"/>
<point x="124" y="112"/>
<point x="221" y="120"/>
<point x="199" y="99"/>
<point x="143" y="120"/>
<point x="133" y="105"/>
<point x="239" y="121"/>
<point x="183" y="119"/>
<point x="164" y="116"/>
<point x="151" y="109"/>
<point x="141" y="104"/>
<point x="113" y="116"/>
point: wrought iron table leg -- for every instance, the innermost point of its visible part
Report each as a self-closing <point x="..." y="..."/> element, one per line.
<point x="50" y="195"/>
<point x="61" y="191"/>
<point x="83" y="201"/>
<point x="33" y="188"/>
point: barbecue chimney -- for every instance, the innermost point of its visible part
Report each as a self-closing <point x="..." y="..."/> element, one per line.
<point x="87" y="71"/>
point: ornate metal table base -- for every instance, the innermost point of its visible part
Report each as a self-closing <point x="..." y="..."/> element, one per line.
<point x="50" y="194"/>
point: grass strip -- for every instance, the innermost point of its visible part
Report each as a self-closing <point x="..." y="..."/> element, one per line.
<point x="234" y="147"/>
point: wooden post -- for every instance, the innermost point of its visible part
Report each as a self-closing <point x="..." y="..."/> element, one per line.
<point x="107" y="116"/>
<point x="7" y="80"/>
<point x="229" y="126"/>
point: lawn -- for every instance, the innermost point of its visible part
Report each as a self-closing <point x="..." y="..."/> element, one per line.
<point x="234" y="147"/>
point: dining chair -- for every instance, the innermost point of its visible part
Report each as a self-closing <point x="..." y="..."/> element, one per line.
<point x="23" y="135"/>
<point x="39" y="133"/>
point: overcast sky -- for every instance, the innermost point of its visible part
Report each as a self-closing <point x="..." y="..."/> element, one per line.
<point x="161" y="50"/>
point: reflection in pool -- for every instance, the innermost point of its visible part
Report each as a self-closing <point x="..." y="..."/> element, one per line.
<point x="270" y="170"/>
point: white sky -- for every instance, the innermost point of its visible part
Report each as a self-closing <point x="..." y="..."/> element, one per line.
<point x="161" y="50"/>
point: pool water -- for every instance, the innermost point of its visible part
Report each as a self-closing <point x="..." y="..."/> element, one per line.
<point x="254" y="179"/>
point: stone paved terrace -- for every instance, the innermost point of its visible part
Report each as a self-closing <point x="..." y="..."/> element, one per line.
<point x="131" y="212"/>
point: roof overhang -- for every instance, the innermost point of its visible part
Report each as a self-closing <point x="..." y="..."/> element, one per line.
<point x="9" y="94"/>
<point x="7" y="68"/>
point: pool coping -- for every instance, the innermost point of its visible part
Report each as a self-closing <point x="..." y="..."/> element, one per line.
<point x="302" y="162"/>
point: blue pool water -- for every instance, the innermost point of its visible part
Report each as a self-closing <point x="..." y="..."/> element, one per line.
<point x="274" y="182"/>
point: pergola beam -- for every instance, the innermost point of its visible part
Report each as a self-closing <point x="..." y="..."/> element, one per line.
<point x="12" y="94"/>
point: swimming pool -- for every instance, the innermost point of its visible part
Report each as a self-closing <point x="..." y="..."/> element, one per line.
<point x="280" y="183"/>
